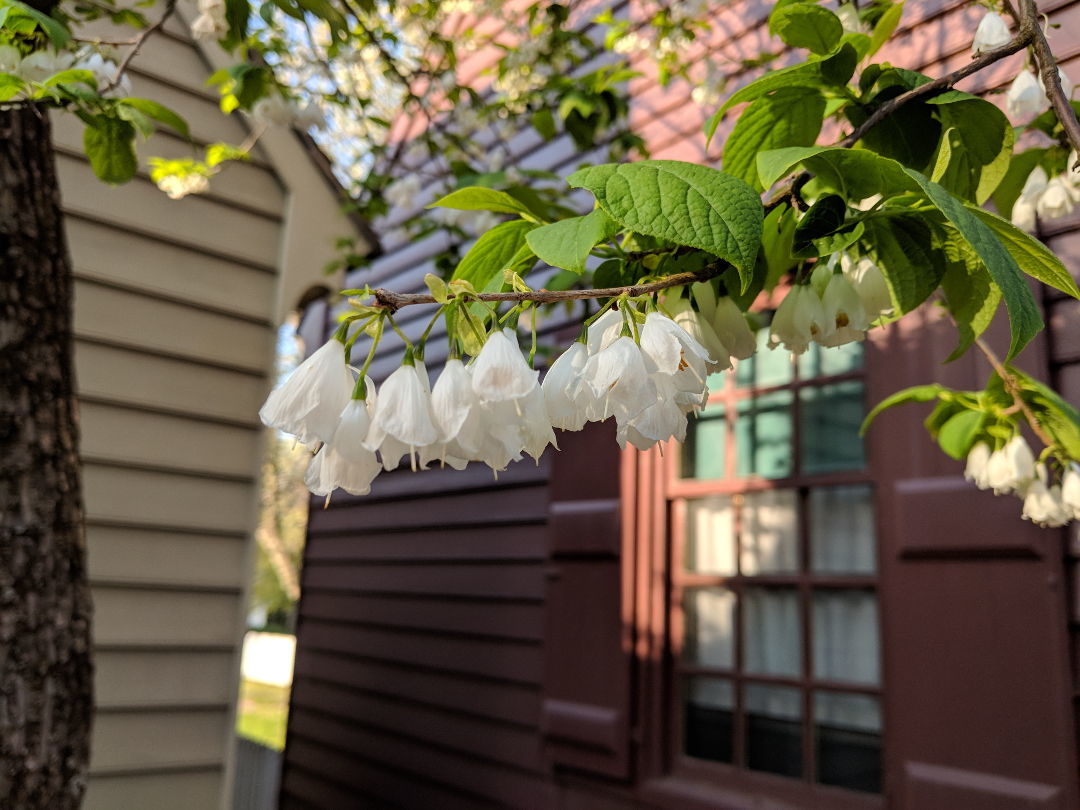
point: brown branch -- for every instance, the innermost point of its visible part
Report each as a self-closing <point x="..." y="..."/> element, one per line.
<point x="170" y="7"/>
<point x="393" y="301"/>
<point x="1013" y="387"/>
<point x="1051" y="79"/>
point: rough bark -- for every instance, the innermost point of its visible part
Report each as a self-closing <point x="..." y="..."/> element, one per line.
<point x="45" y="668"/>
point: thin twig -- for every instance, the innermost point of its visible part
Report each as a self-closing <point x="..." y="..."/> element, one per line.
<point x="1013" y="387"/>
<point x="170" y="7"/>
<point x="394" y="301"/>
<point x="1051" y="79"/>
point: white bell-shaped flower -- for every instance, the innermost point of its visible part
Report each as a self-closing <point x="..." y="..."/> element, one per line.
<point x="1043" y="505"/>
<point x="308" y="404"/>
<point x="696" y="325"/>
<point x="403" y="414"/>
<point x="564" y="388"/>
<point x="1066" y="84"/>
<point x="1011" y="468"/>
<point x="40" y="65"/>
<point x="670" y="347"/>
<point x="1058" y="200"/>
<point x="1024" y="210"/>
<point x="978" y="461"/>
<point x="619" y="378"/>
<point x="452" y="399"/>
<point x="1070" y="490"/>
<point x="799" y="319"/>
<point x="330" y="470"/>
<point x="733" y="329"/>
<point x="1026" y="97"/>
<point x="845" y="317"/>
<point x="605" y="330"/>
<point x="500" y="372"/>
<point x="993" y="32"/>
<point x="535" y="424"/>
<point x="10" y="59"/>
<point x="661" y="421"/>
<point x="869" y="282"/>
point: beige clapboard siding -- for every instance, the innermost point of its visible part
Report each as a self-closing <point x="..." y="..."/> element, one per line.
<point x="125" y="741"/>
<point x="194" y="220"/>
<point x="180" y="790"/>
<point x="125" y="616"/>
<point x="127" y="376"/>
<point x="243" y="183"/>
<point x="168" y="269"/>
<point x="162" y="678"/>
<point x="134" y="554"/>
<point x="158" y="498"/>
<point x="116" y="433"/>
<point x="113" y="315"/>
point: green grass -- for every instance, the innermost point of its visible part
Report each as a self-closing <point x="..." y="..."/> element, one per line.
<point x="262" y="713"/>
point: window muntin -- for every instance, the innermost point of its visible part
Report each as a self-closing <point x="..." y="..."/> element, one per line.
<point x="774" y="576"/>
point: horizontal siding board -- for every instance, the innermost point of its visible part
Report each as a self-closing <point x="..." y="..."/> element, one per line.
<point x="168" y="269"/>
<point x="113" y="373"/>
<point x="193" y="220"/>
<point x="175" y="558"/>
<point x="158" y="498"/>
<point x="450" y="545"/>
<point x="510" y="703"/>
<point x="155" y="739"/>
<point x="508" y="787"/>
<point x="199" y="108"/>
<point x="134" y="616"/>
<point x="514" y="621"/>
<point x="106" y="313"/>
<point x="162" y="678"/>
<point x="485" y="739"/>
<point x="513" y="506"/>
<point x="520" y="581"/>
<point x="185" y="790"/>
<point x="127" y="434"/>
<point x="499" y="660"/>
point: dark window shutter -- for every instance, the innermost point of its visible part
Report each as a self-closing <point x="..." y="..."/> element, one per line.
<point x="586" y="683"/>
<point x="978" y="695"/>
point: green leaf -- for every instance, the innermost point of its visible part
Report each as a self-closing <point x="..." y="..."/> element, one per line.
<point x="918" y="393"/>
<point x="110" y="146"/>
<point x="855" y="174"/>
<point x="71" y="76"/>
<point x="824" y="217"/>
<point x="1033" y="256"/>
<point x="544" y="123"/>
<point x="492" y="253"/>
<point x="959" y="433"/>
<point x="804" y="25"/>
<point x="1024" y="318"/>
<point x="479" y="198"/>
<point x="971" y="295"/>
<point x="1056" y="415"/>
<point x="804" y="74"/>
<point x="437" y="287"/>
<point x="791" y="116"/>
<point x="885" y="27"/>
<point x="776" y="241"/>
<point x="57" y="33"/>
<point x="568" y="242"/>
<point x="686" y="203"/>
<point x="1008" y="190"/>
<point x="159" y="112"/>
<point x="975" y="148"/>
<point x="912" y="268"/>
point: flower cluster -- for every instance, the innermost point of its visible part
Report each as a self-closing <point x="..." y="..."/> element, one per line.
<point x="993" y="32"/>
<point x="44" y="63"/>
<point x="1026" y="97"/>
<point x="1047" y="197"/>
<point x="648" y="371"/>
<point x="839" y="304"/>
<point x="211" y="23"/>
<point x="1012" y="469"/>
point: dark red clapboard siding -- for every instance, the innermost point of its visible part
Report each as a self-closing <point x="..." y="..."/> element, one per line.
<point x="362" y="546"/>
<point x="510" y="580"/>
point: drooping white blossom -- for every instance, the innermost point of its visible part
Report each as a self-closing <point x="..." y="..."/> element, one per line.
<point x="605" y="330"/>
<point x="1058" y="199"/>
<point x="1066" y="84"/>
<point x="402" y="419"/>
<point x="978" y="461"/>
<point x="846" y="320"/>
<point x="178" y="186"/>
<point x="308" y="404"/>
<point x="569" y="401"/>
<point x="1026" y="97"/>
<point x="1070" y="490"/>
<point x="733" y="329"/>
<point x="40" y="65"/>
<point x="452" y="399"/>
<point x="500" y="372"/>
<point x="798" y="321"/>
<point x="1011" y="468"/>
<point x="1024" y="210"/>
<point x="1043" y="505"/>
<point x="993" y="32"/>
<point x="620" y="380"/>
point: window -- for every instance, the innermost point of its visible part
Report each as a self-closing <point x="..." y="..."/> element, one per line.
<point x="775" y="628"/>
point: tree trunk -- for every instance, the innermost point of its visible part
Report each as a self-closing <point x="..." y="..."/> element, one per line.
<point x="45" y="670"/>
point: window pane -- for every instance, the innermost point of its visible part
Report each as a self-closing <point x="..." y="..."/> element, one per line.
<point x="771" y="632"/>
<point x="842" y="537"/>
<point x="846" y="637"/>
<point x="763" y="432"/>
<point x="709" y="719"/>
<point x="766" y="368"/>
<point x="770" y="533"/>
<point x="847" y="734"/>
<point x="710" y="536"/>
<point x="705" y="451"/>
<point x="829" y="425"/>
<point x="774" y="729"/>
<point x="819" y="361"/>
<point x="710" y="627"/>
